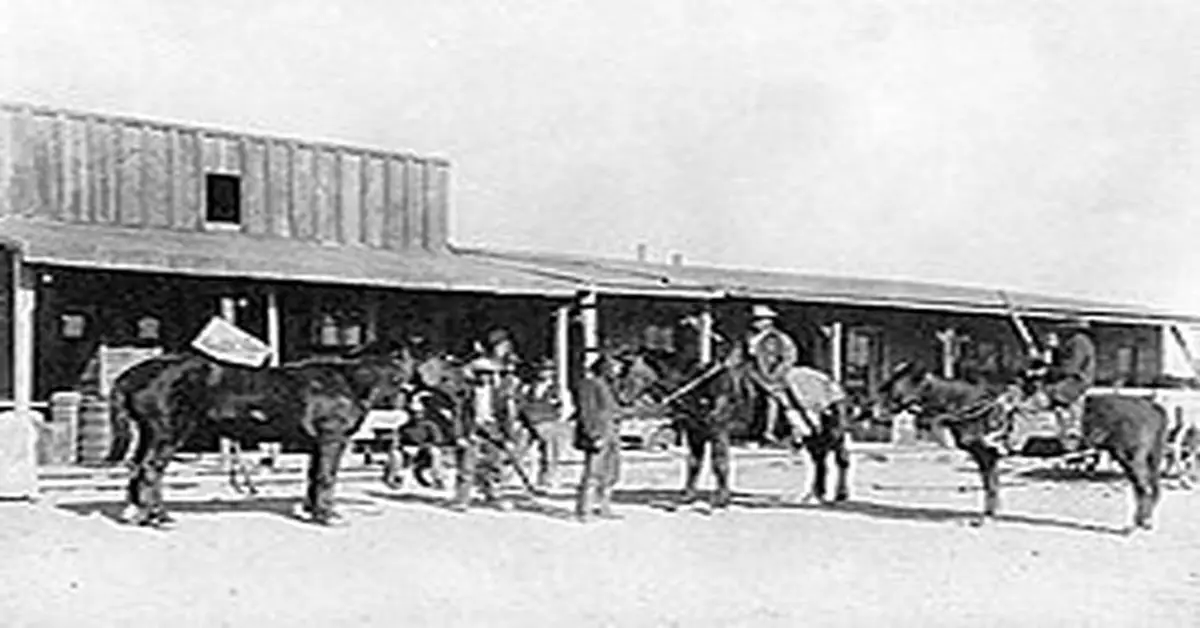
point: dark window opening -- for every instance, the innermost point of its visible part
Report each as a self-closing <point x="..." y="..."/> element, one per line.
<point x="224" y="199"/>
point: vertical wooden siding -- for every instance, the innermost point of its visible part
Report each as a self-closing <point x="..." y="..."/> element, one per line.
<point x="78" y="167"/>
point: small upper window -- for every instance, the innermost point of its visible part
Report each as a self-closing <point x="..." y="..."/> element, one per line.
<point x="72" y="326"/>
<point x="147" y="328"/>
<point x="224" y="199"/>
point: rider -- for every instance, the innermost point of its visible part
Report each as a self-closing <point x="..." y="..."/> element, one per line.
<point x="773" y="352"/>
<point x="1070" y="372"/>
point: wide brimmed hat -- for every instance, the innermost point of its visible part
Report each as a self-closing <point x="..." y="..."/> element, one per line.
<point x="497" y="336"/>
<point x="763" y="311"/>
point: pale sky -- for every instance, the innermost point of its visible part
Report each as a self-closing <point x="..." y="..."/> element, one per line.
<point x="1050" y="146"/>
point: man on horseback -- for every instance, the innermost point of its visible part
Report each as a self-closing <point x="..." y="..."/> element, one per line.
<point x="1059" y="388"/>
<point x="773" y="353"/>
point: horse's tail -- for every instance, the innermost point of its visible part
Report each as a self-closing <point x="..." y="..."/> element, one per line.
<point x="121" y="422"/>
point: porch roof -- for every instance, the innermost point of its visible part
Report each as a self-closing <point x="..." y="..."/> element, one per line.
<point x="616" y="275"/>
<point x="265" y="258"/>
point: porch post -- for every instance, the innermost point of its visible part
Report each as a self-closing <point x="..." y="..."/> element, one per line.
<point x="18" y="436"/>
<point x="274" y="338"/>
<point x="562" y="356"/>
<point x="836" y="348"/>
<point x="225" y="445"/>
<point x="706" y="334"/>
<point x="590" y="319"/>
<point x="371" y="316"/>
<point x="949" y="339"/>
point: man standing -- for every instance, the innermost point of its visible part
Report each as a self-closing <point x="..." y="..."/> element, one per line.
<point x="773" y="353"/>
<point x="493" y="378"/>
<point x="597" y="436"/>
<point x="543" y="409"/>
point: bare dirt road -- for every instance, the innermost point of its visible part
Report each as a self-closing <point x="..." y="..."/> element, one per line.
<point x="900" y="554"/>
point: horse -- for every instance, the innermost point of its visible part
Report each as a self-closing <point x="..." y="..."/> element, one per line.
<point x="318" y="402"/>
<point x="1131" y="430"/>
<point x="723" y="405"/>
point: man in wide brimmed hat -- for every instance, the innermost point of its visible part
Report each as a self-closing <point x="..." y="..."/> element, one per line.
<point x="773" y="353"/>
<point x="543" y="408"/>
<point x="601" y="409"/>
<point x="1065" y="380"/>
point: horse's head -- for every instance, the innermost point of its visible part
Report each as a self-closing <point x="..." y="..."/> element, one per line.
<point x="379" y="378"/>
<point x="905" y="388"/>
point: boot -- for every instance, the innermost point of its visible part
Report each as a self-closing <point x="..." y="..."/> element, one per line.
<point x="462" y="495"/>
<point x="585" y="505"/>
<point x="604" y="508"/>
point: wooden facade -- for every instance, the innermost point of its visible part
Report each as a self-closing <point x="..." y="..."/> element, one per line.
<point x="94" y="169"/>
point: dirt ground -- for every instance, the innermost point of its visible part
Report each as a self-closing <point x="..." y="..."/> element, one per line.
<point x="901" y="553"/>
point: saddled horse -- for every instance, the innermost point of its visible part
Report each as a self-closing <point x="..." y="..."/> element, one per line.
<point x="723" y="404"/>
<point x="319" y="402"/>
<point x="1131" y="430"/>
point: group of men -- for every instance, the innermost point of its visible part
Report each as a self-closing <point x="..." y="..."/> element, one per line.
<point x="533" y="413"/>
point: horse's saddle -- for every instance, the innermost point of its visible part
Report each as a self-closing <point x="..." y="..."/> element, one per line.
<point x="1061" y="424"/>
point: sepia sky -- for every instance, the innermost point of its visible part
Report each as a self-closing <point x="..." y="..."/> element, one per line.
<point x="1038" y="144"/>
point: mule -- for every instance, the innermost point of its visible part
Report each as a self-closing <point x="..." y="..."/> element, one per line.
<point x="1131" y="430"/>
<point x="319" y="402"/>
<point x="723" y="405"/>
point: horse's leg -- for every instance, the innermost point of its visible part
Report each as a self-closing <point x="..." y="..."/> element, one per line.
<point x="696" y="442"/>
<point x="394" y="465"/>
<point x="240" y="468"/>
<point x="433" y="456"/>
<point x="989" y="473"/>
<point x="464" y="454"/>
<point x="841" y="457"/>
<point x="818" y="451"/>
<point x="720" y="466"/>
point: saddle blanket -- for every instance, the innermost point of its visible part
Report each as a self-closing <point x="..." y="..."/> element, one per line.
<point x="1044" y="424"/>
<point x="222" y="340"/>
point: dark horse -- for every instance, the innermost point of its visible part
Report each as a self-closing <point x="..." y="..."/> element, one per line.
<point x="1130" y="429"/>
<point x="723" y="405"/>
<point x="320" y="402"/>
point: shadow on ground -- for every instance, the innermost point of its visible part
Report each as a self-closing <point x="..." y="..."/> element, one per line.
<point x="521" y="504"/>
<point x="284" y="507"/>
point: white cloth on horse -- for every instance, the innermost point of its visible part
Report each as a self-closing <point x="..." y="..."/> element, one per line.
<point x="815" y="391"/>
<point x="222" y="340"/>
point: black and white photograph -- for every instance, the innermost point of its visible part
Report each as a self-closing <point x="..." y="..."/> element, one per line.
<point x="668" y="313"/>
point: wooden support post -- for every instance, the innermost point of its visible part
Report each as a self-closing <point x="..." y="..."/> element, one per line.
<point x="24" y="307"/>
<point x="589" y="317"/>
<point x="837" y="346"/>
<point x="706" y="334"/>
<point x="371" y="316"/>
<point x="18" y="434"/>
<point x="274" y="335"/>
<point x="229" y="313"/>
<point x="562" y="356"/>
<point x="949" y="339"/>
